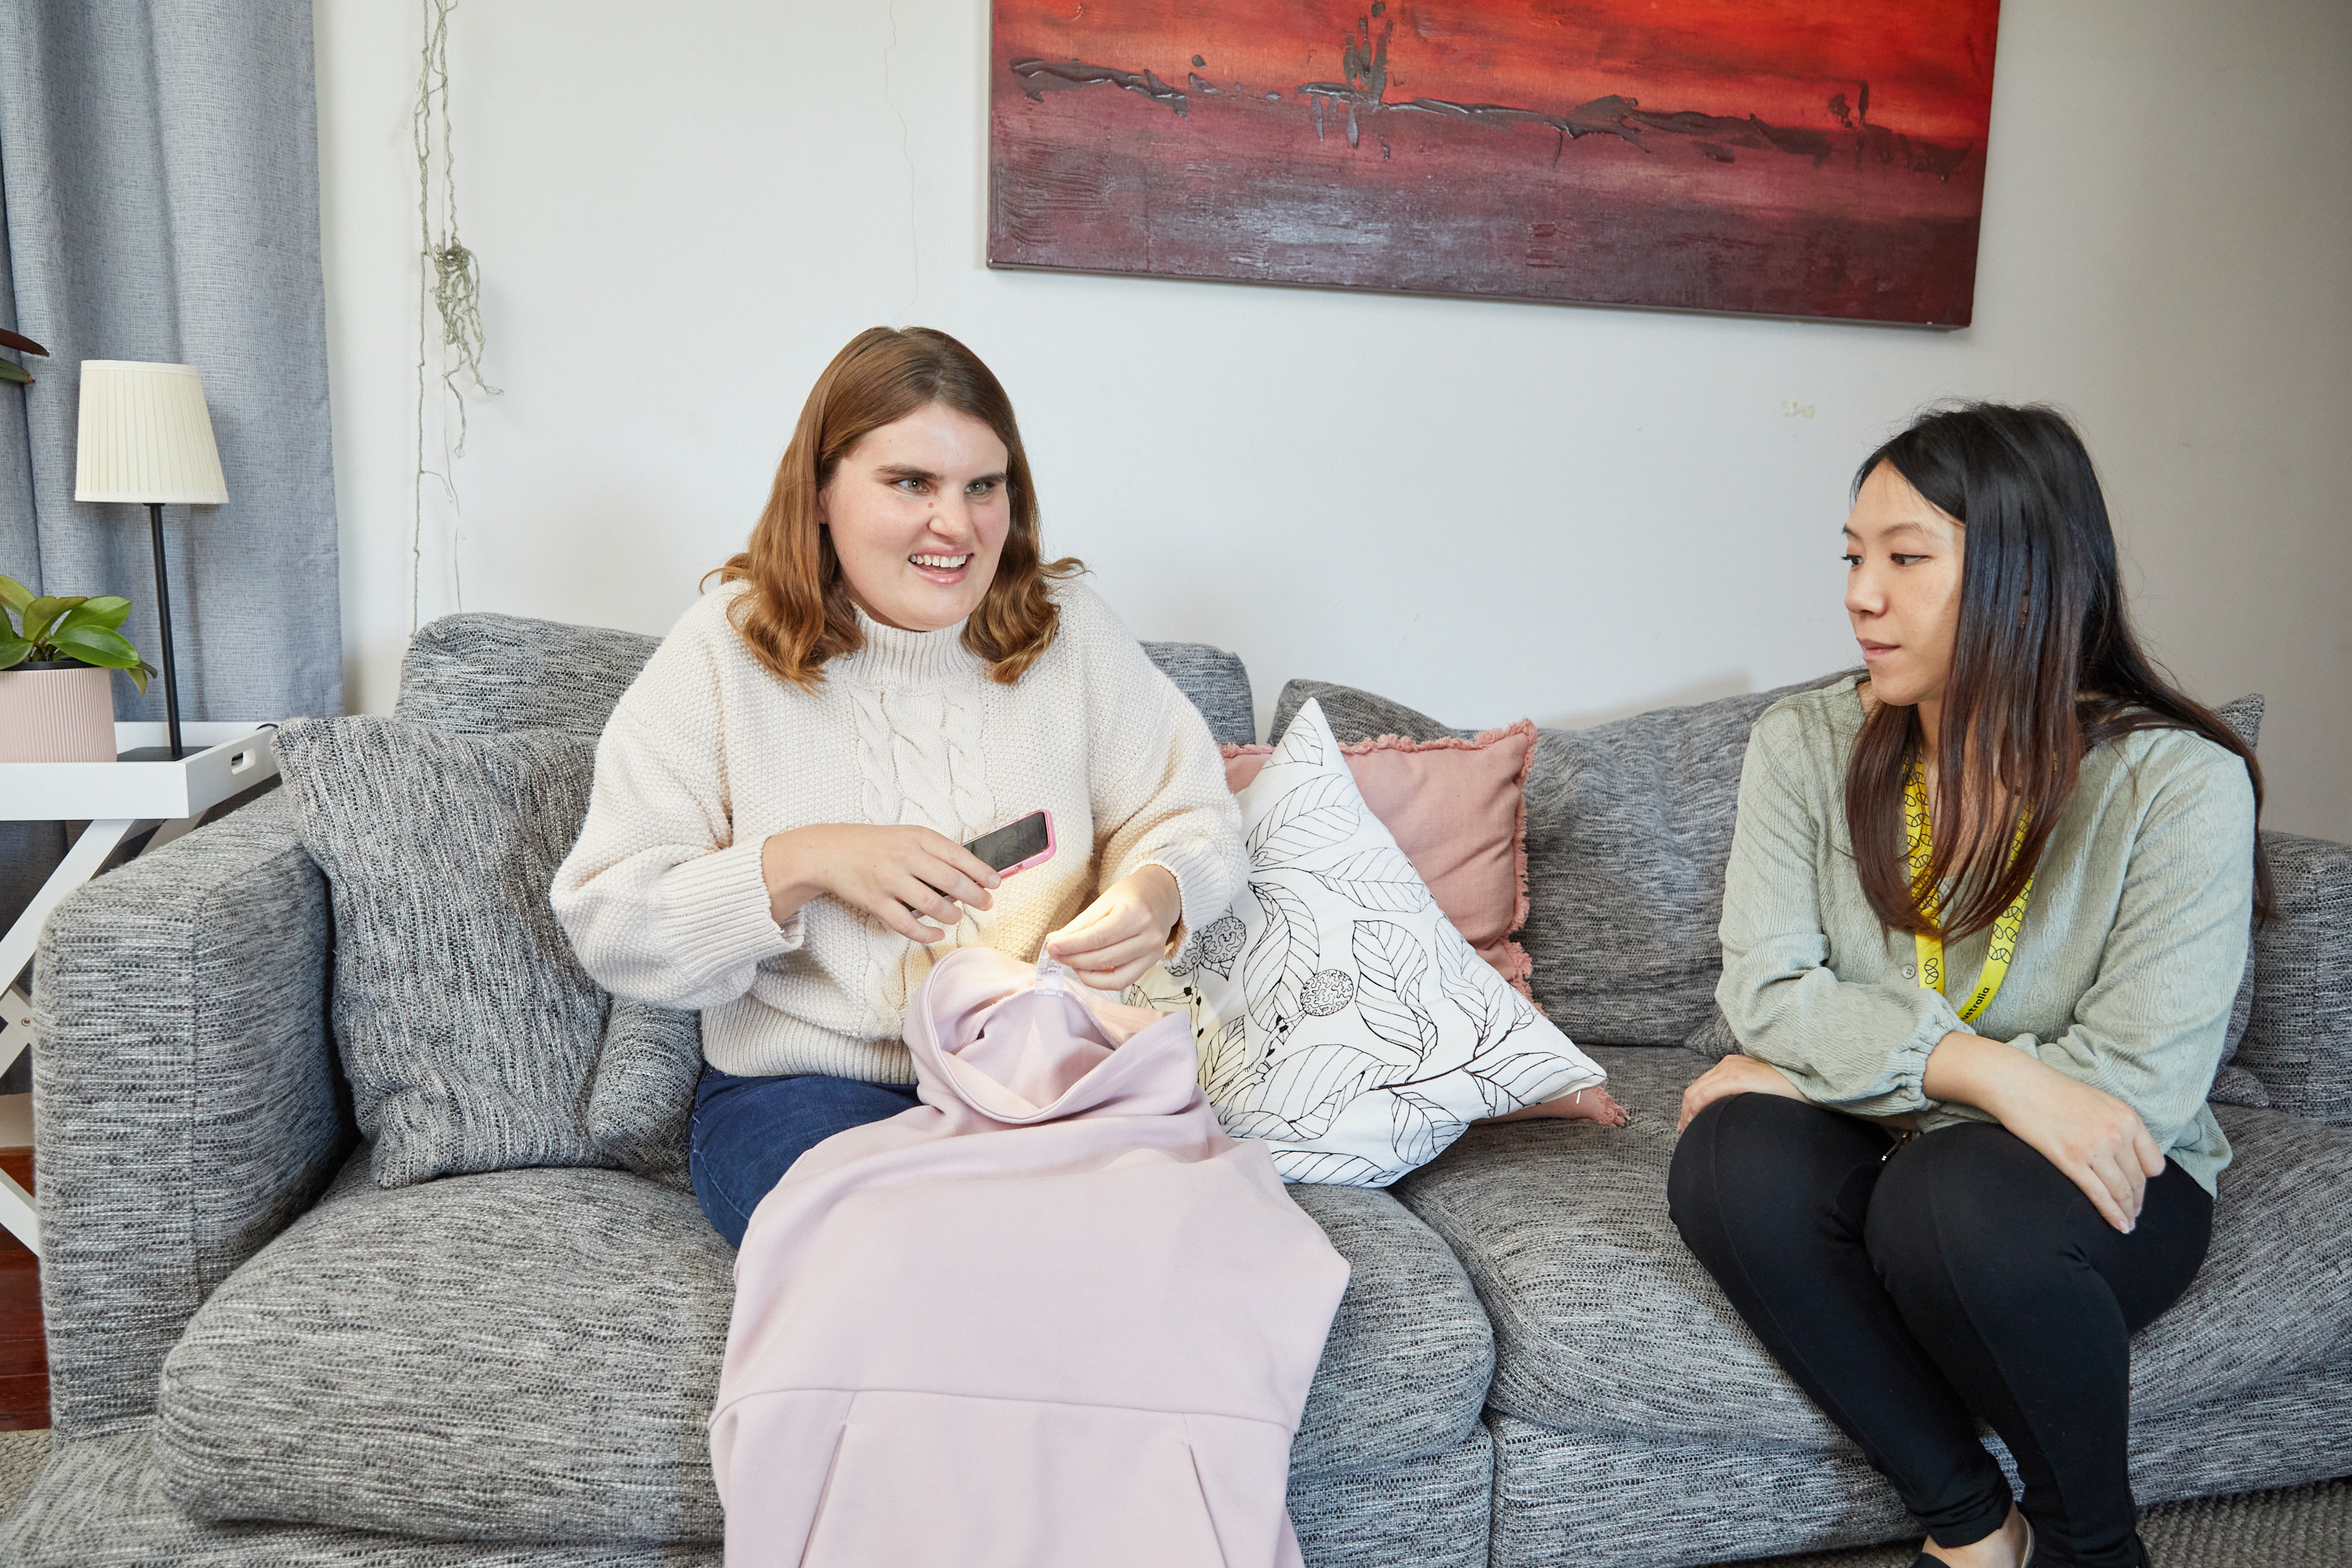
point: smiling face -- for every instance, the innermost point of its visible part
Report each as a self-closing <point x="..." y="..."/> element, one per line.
<point x="918" y="512"/>
<point x="1903" y="588"/>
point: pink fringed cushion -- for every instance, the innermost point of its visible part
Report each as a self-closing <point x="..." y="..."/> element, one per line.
<point x="1458" y="809"/>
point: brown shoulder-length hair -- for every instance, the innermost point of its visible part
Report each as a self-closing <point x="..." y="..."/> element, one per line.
<point x="798" y="612"/>
<point x="2045" y="667"/>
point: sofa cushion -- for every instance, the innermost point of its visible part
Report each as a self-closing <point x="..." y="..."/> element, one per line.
<point x="557" y="1335"/>
<point x="493" y="673"/>
<point x="1563" y="1228"/>
<point x="468" y="1027"/>
<point x="1340" y="1015"/>
<point x="643" y="1093"/>
<point x="520" y="1356"/>
<point x="1458" y="809"/>
<point x="2299" y="1040"/>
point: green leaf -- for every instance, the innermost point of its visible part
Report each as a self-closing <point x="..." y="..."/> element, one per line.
<point x="12" y="594"/>
<point x="139" y="673"/>
<point x="92" y="645"/>
<point x="14" y="651"/>
<point x="11" y="371"/>
<point x="106" y="611"/>
<point x="41" y="612"/>
<point x="93" y="614"/>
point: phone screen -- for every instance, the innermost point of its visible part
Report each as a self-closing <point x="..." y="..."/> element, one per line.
<point x="1011" y="844"/>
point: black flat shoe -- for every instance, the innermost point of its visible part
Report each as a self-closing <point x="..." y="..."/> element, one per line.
<point x="1924" y="1560"/>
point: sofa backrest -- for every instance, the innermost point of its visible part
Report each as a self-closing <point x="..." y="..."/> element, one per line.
<point x="480" y="672"/>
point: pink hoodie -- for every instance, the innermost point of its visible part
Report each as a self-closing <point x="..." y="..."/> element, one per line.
<point x="1051" y="1316"/>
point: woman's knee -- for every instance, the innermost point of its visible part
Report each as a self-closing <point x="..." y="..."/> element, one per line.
<point x="1757" y="1163"/>
<point x="1972" y="1208"/>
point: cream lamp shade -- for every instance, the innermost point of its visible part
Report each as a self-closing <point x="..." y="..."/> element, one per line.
<point x="146" y="437"/>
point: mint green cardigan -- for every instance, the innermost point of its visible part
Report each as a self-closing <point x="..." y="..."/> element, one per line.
<point x="2133" y="946"/>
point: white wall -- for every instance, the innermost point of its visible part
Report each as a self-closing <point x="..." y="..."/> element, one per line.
<point x="1482" y="509"/>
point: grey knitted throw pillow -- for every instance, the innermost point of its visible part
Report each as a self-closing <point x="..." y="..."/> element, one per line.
<point x="467" y="1029"/>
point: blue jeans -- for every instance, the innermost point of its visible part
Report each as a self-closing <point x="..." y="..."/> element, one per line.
<point x="747" y="1131"/>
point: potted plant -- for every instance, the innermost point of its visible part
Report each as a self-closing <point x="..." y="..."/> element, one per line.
<point x="57" y="704"/>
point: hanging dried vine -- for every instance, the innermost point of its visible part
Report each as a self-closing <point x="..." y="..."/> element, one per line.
<point x="449" y="282"/>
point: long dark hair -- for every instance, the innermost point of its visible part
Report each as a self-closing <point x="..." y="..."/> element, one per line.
<point x="2045" y="668"/>
<point x="798" y="613"/>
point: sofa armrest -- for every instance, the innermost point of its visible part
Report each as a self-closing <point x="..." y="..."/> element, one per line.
<point x="2299" y="1036"/>
<point x="187" y="1104"/>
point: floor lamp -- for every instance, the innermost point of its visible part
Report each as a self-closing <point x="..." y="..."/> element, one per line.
<point x="146" y="438"/>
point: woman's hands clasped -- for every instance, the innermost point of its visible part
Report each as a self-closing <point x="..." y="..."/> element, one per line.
<point x="902" y="876"/>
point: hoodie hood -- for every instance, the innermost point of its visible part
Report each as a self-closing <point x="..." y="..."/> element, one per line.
<point x="1022" y="1044"/>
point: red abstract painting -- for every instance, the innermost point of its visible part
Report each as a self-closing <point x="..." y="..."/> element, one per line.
<point x="1774" y="157"/>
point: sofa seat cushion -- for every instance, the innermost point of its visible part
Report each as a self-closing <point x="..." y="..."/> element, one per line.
<point x="1406" y="1365"/>
<point x="532" y="1355"/>
<point x="1605" y="1324"/>
<point x="519" y="1355"/>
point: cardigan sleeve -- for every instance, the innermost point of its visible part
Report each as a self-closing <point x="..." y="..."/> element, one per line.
<point x="1157" y="783"/>
<point x="1854" y="1045"/>
<point x="2150" y="1028"/>
<point x="660" y="903"/>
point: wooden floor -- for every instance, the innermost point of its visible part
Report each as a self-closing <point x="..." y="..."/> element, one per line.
<point x="24" y="1353"/>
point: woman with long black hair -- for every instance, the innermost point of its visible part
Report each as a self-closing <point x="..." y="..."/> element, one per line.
<point x="1986" y="913"/>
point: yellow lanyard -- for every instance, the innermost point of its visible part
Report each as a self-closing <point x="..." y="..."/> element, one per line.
<point x="1931" y="948"/>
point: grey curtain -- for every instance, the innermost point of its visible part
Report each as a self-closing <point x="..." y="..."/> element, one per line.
<point x="159" y="179"/>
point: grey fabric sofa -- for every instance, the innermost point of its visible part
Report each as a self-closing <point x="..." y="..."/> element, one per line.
<point x="258" y="1356"/>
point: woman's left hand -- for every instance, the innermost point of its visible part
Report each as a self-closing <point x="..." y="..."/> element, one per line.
<point x="1735" y="1075"/>
<point x="1122" y="933"/>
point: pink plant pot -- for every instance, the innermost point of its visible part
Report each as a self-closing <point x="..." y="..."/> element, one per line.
<point x="56" y="715"/>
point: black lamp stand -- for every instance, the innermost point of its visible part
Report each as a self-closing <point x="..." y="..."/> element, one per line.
<point x="163" y="617"/>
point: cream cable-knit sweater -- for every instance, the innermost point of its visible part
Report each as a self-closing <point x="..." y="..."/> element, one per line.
<point x="708" y="754"/>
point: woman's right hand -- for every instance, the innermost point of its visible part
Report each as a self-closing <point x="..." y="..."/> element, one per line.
<point x="2097" y="1140"/>
<point x="901" y="875"/>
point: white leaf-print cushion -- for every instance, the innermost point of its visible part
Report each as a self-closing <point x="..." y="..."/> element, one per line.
<point x="1340" y="1016"/>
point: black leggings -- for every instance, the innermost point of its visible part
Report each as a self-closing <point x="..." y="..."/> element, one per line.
<point x="1909" y="1288"/>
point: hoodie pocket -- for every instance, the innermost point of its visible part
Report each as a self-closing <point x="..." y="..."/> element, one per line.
<point x="925" y="1480"/>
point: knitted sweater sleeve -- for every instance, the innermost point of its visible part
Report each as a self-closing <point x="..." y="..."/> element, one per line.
<point x="660" y="903"/>
<point x="2150" y="1028"/>
<point x="1858" y="1046"/>
<point x="1156" y="781"/>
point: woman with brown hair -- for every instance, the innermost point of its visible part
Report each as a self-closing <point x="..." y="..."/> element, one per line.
<point x="1985" y="915"/>
<point x="776" y="835"/>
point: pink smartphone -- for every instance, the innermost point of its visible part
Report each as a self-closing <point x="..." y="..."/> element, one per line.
<point x="1017" y="846"/>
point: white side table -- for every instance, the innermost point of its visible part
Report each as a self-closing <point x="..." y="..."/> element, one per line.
<point x="118" y="799"/>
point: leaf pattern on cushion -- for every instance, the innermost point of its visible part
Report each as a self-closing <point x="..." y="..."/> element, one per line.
<point x="1226" y="1061"/>
<point x="1338" y="1014"/>
<point x="1459" y="982"/>
<point x="1327" y="1168"/>
<point x="1304" y="1093"/>
<point x="1377" y="878"/>
<point x="1389" y="966"/>
<point x="1523" y="1077"/>
<point x="1420" y="1127"/>
<point x="1279" y="966"/>
<point x="1317" y="815"/>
